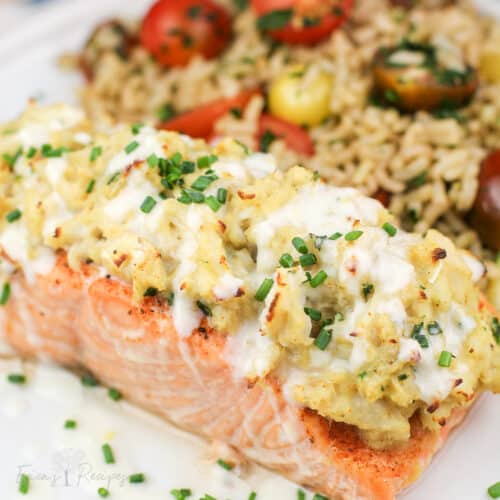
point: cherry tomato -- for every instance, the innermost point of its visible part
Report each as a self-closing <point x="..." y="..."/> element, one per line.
<point x="301" y="22"/>
<point x="199" y="122"/>
<point x="485" y="215"/>
<point x="414" y="87"/>
<point x="295" y="137"/>
<point x="296" y="101"/>
<point x="174" y="31"/>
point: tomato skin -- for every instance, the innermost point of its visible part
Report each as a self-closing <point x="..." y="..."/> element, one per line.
<point x="310" y="35"/>
<point x="295" y="137"/>
<point x="174" y="31"/>
<point x="485" y="217"/>
<point x="199" y="123"/>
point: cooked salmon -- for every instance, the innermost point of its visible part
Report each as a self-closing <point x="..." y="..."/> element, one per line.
<point x="80" y="319"/>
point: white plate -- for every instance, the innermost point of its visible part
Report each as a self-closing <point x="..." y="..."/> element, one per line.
<point x="31" y="419"/>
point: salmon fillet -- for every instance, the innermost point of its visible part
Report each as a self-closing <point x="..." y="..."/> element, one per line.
<point x="84" y="319"/>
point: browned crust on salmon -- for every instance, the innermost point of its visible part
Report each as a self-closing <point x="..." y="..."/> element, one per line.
<point x="82" y="319"/>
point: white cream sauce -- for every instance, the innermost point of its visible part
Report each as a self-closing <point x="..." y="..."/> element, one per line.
<point x="140" y="442"/>
<point x="148" y="145"/>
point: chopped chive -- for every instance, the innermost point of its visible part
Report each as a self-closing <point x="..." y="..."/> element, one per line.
<point x="151" y="292"/>
<point x="495" y="328"/>
<point x="243" y="146"/>
<point x="153" y="160"/>
<point x="224" y="464"/>
<point x="445" y="359"/>
<point x="203" y="182"/>
<point x="317" y="496"/>
<point x="89" y="380"/>
<point x="418" y="181"/>
<point x="176" y="159"/>
<point x="335" y="236"/>
<point x="4" y="296"/>
<point x="95" y="152"/>
<point x="314" y="314"/>
<point x="309" y="259"/>
<point x="165" y="112"/>
<point x="494" y="490"/>
<point x="213" y="203"/>
<point x="137" y="478"/>
<point x="181" y="494"/>
<point x="300" y="245"/>
<point x="12" y="159"/>
<point x="275" y="19"/>
<point x="323" y="339"/>
<point x="103" y="492"/>
<point x="136" y="128"/>
<point x="113" y="178"/>
<point x="49" y="152"/>
<point x="301" y="495"/>
<point x="434" y="328"/>
<point x="389" y="229"/>
<point x="70" y="424"/>
<point x="170" y="299"/>
<point x="11" y="217"/>
<point x="188" y="167"/>
<point x="24" y="484"/>
<point x="148" y="204"/>
<point x="318" y="280"/>
<point x="286" y="260"/>
<point x="367" y="290"/>
<point x="419" y="336"/>
<point x="16" y="378"/>
<point x="132" y="146"/>
<point x="353" y="235"/>
<point x="31" y="152"/>
<point x="222" y="195"/>
<point x="339" y="317"/>
<point x="402" y="376"/>
<point x="362" y="375"/>
<point x="252" y="496"/>
<point x="90" y="186"/>
<point x="204" y="308"/>
<point x="114" y="394"/>
<point x="107" y="452"/>
<point x="206" y="161"/>
<point x="264" y="289"/>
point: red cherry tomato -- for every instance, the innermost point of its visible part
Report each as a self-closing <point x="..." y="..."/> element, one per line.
<point x="295" y="137"/>
<point x="174" y="31"/>
<point x="485" y="216"/>
<point x="199" y="122"/>
<point x="317" y="24"/>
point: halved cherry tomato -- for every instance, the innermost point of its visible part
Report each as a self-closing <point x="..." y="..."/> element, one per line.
<point x="301" y="22"/>
<point x="485" y="215"/>
<point x="295" y="137"/>
<point x="199" y="122"/>
<point x="174" y="31"/>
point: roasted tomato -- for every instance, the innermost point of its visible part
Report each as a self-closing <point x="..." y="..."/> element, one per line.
<point x="301" y="22"/>
<point x="420" y="76"/>
<point x="485" y="215"/>
<point x="295" y="137"/>
<point x="199" y="122"/>
<point x="174" y="31"/>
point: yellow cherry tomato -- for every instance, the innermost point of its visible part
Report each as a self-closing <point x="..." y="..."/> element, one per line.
<point x="300" y="98"/>
<point x="489" y="64"/>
